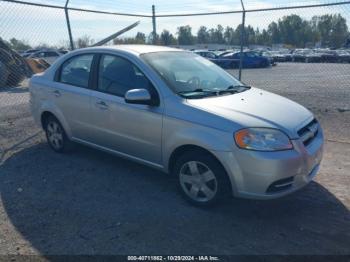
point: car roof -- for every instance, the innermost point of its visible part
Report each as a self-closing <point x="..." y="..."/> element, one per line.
<point x="134" y="50"/>
<point x="139" y="49"/>
<point x="235" y="52"/>
<point x="45" y="50"/>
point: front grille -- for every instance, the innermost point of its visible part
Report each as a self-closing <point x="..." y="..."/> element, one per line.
<point x="280" y="185"/>
<point x="308" y="132"/>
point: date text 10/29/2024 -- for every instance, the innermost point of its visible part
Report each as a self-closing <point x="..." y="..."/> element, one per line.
<point x="173" y="258"/>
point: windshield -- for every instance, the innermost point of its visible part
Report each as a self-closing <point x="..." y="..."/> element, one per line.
<point x="192" y="76"/>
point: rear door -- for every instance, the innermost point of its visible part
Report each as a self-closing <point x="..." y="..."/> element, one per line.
<point x="71" y="93"/>
<point x="130" y="129"/>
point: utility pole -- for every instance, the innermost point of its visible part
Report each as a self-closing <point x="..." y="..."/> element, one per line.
<point x="154" y="32"/>
<point x="68" y="26"/>
<point x="242" y="42"/>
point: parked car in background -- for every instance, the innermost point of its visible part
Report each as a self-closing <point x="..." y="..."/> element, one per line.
<point x="48" y="55"/>
<point x="327" y="56"/>
<point x="287" y="54"/>
<point x="278" y="56"/>
<point x="266" y="54"/>
<point x="29" y="52"/>
<point x="223" y="62"/>
<point x="206" y="54"/>
<point x="306" y="56"/>
<point x="251" y="59"/>
<point x="222" y="53"/>
<point x="180" y="113"/>
<point x="343" y="56"/>
<point x="63" y="51"/>
<point x="272" y="55"/>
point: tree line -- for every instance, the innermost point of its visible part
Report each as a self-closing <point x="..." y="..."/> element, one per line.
<point x="329" y="30"/>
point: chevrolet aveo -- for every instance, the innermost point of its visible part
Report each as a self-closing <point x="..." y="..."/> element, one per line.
<point x="180" y="113"/>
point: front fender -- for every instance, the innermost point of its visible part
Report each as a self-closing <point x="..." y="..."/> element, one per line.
<point x="177" y="133"/>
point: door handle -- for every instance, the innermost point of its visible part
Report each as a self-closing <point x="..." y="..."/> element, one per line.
<point x="57" y="93"/>
<point x="102" y="105"/>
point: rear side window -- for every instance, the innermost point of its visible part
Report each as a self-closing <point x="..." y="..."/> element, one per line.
<point x="210" y="55"/>
<point x="76" y="71"/>
<point x="237" y="55"/>
<point x="117" y="75"/>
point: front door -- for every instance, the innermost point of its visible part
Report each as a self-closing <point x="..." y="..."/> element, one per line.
<point x="130" y="129"/>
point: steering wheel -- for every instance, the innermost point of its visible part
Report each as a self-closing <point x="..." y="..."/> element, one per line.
<point x="194" y="81"/>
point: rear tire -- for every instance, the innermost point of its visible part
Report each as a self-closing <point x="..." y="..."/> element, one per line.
<point x="56" y="136"/>
<point x="202" y="180"/>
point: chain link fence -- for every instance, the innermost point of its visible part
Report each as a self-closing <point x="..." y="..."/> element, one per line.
<point x="309" y="42"/>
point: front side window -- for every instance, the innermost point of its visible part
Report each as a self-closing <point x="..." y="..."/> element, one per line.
<point x="76" y="70"/>
<point x="192" y="76"/>
<point x="118" y="75"/>
<point x="250" y="54"/>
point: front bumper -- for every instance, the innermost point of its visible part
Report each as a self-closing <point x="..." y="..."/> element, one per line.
<point x="252" y="173"/>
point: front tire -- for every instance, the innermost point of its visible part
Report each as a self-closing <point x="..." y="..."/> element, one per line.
<point x="201" y="178"/>
<point x="56" y="136"/>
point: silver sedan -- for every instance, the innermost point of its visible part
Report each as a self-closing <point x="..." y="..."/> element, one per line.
<point x="180" y="113"/>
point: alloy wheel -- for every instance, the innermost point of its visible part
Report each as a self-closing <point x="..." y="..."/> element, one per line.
<point x="198" y="181"/>
<point x="55" y="135"/>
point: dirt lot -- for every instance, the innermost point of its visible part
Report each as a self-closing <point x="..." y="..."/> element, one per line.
<point x="88" y="202"/>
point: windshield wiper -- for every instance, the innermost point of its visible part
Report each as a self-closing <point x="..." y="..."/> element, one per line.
<point x="237" y="86"/>
<point x="232" y="89"/>
<point x="198" y="90"/>
<point x="204" y="92"/>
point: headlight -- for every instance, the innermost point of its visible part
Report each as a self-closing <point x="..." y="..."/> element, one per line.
<point x="262" y="139"/>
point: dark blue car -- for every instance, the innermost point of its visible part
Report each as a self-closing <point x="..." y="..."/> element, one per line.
<point x="251" y="59"/>
<point x="231" y="59"/>
<point x="219" y="60"/>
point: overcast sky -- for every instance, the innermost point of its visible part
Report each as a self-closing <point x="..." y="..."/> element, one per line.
<point x="46" y="25"/>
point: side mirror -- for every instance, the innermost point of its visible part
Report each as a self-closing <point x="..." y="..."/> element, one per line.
<point x="139" y="96"/>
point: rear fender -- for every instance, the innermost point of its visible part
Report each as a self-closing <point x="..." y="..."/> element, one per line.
<point x="48" y="106"/>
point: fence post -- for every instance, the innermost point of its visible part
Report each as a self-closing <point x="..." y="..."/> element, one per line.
<point x="241" y="42"/>
<point x="154" y="32"/>
<point x="68" y="26"/>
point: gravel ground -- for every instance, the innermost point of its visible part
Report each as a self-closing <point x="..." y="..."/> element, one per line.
<point x="89" y="202"/>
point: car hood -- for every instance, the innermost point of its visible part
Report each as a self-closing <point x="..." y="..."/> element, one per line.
<point x="257" y="108"/>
